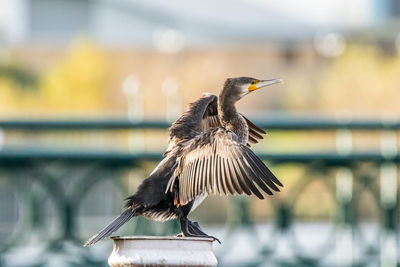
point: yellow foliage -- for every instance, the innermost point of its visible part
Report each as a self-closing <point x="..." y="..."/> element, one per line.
<point x="75" y="84"/>
<point x="362" y="81"/>
<point x="78" y="82"/>
<point x="7" y="95"/>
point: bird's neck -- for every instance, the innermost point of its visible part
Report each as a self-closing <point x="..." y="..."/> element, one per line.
<point x="230" y="117"/>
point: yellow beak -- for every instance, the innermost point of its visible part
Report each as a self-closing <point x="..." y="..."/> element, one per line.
<point x="263" y="83"/>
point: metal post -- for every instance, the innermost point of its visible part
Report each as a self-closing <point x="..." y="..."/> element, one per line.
<point x="389" y="199"/>
<point x="162" y="251"/>
<point x="344" y="196"/>
<point x="170" y="88"/>
<point x="131" y="89"/>
<point x="344" y="233"/>
<point x="1" y="138"/>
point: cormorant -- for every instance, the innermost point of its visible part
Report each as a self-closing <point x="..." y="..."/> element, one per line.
<point x="208" y="153"/>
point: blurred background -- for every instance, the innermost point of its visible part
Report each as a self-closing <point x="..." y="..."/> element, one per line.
<point x="89" y="87"/>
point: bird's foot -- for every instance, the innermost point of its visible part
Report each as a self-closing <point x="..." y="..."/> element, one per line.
<point x="195" y="229"/>
<point x="196" y="224"/>
<point x="201" y="236"/>
<point x="214" y="238"/>
<point x="192" y="229"/>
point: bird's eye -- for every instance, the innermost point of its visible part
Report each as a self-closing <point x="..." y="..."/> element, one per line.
<point x="252" y="82"/>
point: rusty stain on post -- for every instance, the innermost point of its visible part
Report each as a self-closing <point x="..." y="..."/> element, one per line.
<point x="162" y="251"/>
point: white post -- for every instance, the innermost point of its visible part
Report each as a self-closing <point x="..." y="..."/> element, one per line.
<point x="170" y="88"/>
<point x="161" y="251"/>
<point x="131" y="89"/>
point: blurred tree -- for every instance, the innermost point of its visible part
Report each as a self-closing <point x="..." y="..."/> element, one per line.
<point x="24" y="78"/>
<point x="361" y="81"/>
<point x="77" y="83"/>
<point x="15" y="84"/>
<point x="7" y="94"/>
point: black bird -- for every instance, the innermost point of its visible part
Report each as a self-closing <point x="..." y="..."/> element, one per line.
<point x="208" y="153"/>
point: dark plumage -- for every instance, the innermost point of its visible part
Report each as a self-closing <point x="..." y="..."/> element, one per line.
<point x="208" y="153"/>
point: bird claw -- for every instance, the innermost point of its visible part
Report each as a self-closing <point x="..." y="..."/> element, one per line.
<point x="192" y="229"/>
<point x="199" y="236"/>
<point x="214" y="238"/>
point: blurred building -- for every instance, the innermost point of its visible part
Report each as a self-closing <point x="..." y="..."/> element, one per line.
<point x="198" y="43"/>
<point x="131" y="22"/>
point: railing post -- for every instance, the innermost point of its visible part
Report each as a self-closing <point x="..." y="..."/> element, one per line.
<point x="1" y="138"/>
<point x="344" y="196"/>
<point x="162" y="251"/>
<point x="344" y="233"/>
<point x="389" y="199"/>
<point x="170" y="89"/>
<point x="131" y="89"/>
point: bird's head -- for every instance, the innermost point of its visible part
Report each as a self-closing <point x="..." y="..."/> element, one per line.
<point x="239" y="87"/>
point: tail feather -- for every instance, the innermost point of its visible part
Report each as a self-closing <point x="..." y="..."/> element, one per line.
<point x="112" y="227"/>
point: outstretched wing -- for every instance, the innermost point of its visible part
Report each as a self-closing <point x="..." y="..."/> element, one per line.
<point x="216" y="162"/>
<point x="189" y="124"/>
<point x="201" y="116"/>
<point x="254" y="131"/>
<point x="211" y="120"/>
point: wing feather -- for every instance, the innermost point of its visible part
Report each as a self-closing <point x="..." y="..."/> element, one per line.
<point x="240" y="178"/>
<point x="215" y="162"/>
<point x="269" y="176"/>
<point x="227" y="178"/>
<point x="252" y="140"/>
<point x="199" y="179"/>
<point x="227" y="185"/>
<point x="233" y="177"/>
<point x="208" y="175"/>
<point x="253" y="133"/>
<point x="253" y="126"/>
<point x="193" y="177"/>
<point x="248" y="177"/>
<point x="258" y="180"/>
<point x="217" y="173"/>
<point x="184" y="181"/>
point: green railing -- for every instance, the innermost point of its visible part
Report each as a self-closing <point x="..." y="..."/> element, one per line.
<point x="52" y="199"/>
